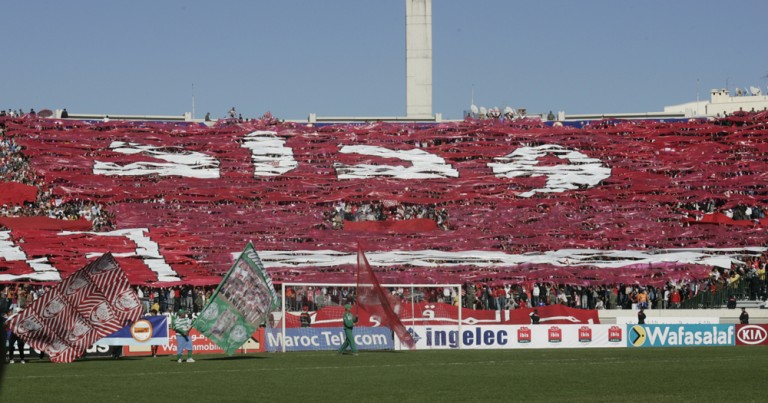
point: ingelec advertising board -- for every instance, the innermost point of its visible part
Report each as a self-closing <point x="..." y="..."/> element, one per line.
<point x="512" y="337"/>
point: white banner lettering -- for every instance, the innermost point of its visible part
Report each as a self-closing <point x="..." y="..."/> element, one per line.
<point x="523" y="162"/>
<point x="423" y="164"/>
<point x="269" y="155"/>
<point x="189" y="164"/>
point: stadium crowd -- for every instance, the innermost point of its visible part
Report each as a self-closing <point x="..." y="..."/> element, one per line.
<point x="160" y="299"/>
<point x="749" y="277"/>
<point x="15" y="113"/>
<point x="15" y="167"/>
<point x="378" y="211"/>
<point x="746" y="281"/>
<point x="742" y="282"/>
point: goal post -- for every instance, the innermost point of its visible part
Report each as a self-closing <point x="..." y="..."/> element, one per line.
<point x="310" y="317"/>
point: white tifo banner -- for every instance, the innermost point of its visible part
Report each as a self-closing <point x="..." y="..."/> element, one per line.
<point x="526" y="336"/>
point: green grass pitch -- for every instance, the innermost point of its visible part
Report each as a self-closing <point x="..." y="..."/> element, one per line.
<point x="713" y="374"/>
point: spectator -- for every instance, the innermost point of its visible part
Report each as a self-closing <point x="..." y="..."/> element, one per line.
<point x="674" y="299"/>
<point x="305" y="318"/>
<point x="642" y="300"/>
<point x="599" y="304"/>
<point x="535" y="318"/>
<point x="744" y="317"/>
<point x="536" y="292"/>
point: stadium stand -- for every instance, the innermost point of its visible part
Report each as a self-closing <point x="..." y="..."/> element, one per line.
<point x="589" y="216"/>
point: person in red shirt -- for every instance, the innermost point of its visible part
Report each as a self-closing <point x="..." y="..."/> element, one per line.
<point x="290" y="295"/>
<point x="176" y="299"/>
<point x="675" y="299"/>
<point x="500" y="297"/>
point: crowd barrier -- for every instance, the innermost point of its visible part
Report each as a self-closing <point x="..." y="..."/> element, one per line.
<point x="447" y="337"/>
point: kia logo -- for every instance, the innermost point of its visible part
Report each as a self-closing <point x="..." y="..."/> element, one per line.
<point x="752" y="334"/>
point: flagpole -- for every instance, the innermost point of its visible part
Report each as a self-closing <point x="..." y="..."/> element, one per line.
<point x="357" y="290"/>
<point x="282" y="315"/>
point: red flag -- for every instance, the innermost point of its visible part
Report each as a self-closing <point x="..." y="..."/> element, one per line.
<point x="94" y="302"/>
<point x="377" y="302"/>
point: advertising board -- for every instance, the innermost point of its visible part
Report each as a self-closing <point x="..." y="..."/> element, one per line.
<point x="680" y="335"/>
<point x="331" y="338"/>
<point x="751" y="335"/>
<point x="516" y="336"/>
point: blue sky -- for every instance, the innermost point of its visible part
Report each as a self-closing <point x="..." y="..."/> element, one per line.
<point x="347" y="57"/>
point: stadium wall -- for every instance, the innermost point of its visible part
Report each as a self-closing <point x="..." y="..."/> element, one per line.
<point x="725" y="316"/>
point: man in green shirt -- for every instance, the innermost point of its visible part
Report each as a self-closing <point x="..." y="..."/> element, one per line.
<point x="349" y="324"/>
<point x="182" y="324"/>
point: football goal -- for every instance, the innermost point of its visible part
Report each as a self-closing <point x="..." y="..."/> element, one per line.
<point x="311" y="316"/>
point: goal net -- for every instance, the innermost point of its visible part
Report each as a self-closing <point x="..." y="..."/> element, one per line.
<point x="311" y="317"/>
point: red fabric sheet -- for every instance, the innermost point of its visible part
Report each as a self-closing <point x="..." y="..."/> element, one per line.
<point x="720" y="218"/>
<point x="44" y="224"/>
<point x="14" y="193"/>
<point x="412" y="226"/>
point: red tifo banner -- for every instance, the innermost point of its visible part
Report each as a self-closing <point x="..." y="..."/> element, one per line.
<point x="518" y="188"/>
<point x="94" y="302"/>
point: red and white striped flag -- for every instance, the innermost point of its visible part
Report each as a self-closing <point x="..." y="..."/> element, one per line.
<point x="94" y="302"/>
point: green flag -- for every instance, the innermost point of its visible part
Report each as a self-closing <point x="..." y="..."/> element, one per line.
<point x="240" y="304"/>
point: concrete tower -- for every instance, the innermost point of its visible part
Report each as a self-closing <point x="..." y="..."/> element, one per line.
<point x="418" y="58"/>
